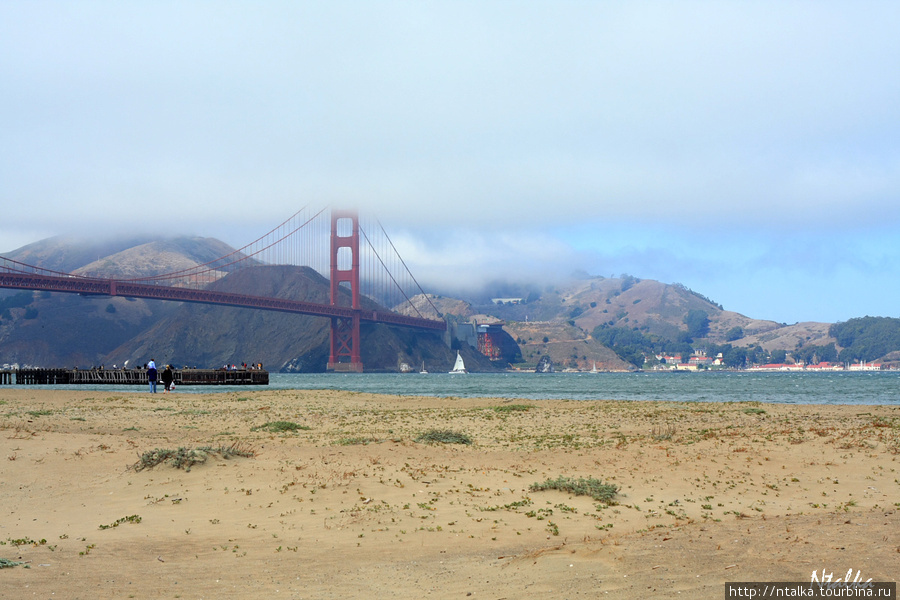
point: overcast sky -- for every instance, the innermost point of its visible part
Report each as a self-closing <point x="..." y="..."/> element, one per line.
<point x="748" y="150"/>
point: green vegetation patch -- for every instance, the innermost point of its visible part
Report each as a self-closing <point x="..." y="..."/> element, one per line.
<point x="5" y="563"/>
<point x="117" y="522"/>
<point x="185" y="458"/>
<point x="357" y="441"/>
<point x="444" y="436"/>
<point x="511" y="408"/>
<point x="865" y="338"/>
<point x="583" y="486"/>
<point x="26" y="542"/>
<point x="280" y="427"/>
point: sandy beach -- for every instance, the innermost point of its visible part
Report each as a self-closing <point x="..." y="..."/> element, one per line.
<point x="327" y="494"/>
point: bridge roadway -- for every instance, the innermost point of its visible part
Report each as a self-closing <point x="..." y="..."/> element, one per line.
<point x="109" y="287"/>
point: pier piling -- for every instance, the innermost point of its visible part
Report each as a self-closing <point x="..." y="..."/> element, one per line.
<point x="132" y="377"/>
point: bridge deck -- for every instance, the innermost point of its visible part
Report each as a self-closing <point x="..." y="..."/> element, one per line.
<point x="108" y="287"/>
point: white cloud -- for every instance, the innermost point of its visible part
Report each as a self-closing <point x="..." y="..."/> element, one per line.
<point x="692" y="120"/>
<point x="466" y="259"/>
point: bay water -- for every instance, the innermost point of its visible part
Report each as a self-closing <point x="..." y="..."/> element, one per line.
<point x="880" y="387"/>
<point x="840" y="387"/>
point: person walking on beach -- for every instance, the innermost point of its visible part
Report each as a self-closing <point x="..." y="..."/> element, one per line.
<point x="151" y="375"/>
<point x="167" y="377"/>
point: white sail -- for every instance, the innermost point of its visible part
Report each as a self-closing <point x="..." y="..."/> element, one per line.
<point x="460" y="366"/>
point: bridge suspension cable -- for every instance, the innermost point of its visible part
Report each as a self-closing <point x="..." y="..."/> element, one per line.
<point x="281" y="245"/>
<point x="405" y="286"/>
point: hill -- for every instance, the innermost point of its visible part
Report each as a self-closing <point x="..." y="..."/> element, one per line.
<point x="72" y="330"/>
<point x="68" y="330"/>
<point x="207" y="335"/>
<point x="788" y="337"/>
<point x="45" y="329"/>
<point x="561" y="321"/>
<point x="611" y="323"/>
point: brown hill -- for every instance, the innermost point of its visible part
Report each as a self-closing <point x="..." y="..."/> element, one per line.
<point x="68" y="330"/>
<point x="422" y="304"/>
<point x="788" y="337"/>
<point x="652" y="306"/>
<point x="158" y="256"/>
<point x="211" y="336"/>
<point x="567" y="346"/>
<point x="56" y="330"/>
<point x="566" y="315"/>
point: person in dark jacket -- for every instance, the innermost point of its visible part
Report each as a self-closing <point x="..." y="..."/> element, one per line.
<point x="151" y="375"/>
<point x="167" y="376"/>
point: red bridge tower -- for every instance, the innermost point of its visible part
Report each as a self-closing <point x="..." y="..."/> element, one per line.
<point x="345" y="330"/>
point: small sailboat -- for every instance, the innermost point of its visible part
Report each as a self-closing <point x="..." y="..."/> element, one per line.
<point x="594" y="369"/>
<point x="459" y="366"/>
<point x="423" y="371"/>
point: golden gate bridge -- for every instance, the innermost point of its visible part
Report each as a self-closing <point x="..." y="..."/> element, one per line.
<point x="358" y="257"/>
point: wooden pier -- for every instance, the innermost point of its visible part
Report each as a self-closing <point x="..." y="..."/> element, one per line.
<point x="132" y="377"/>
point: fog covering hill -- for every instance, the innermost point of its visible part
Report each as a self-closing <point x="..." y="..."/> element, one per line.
<point x="158" y="256"/>
<point x="68" y="253"/>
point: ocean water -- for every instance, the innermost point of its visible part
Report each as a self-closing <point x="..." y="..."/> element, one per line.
<point x="879" y="387"/>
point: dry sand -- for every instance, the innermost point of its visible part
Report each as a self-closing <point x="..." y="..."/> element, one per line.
<point x="354" y="507"/>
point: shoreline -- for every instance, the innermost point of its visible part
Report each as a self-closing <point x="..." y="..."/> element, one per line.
<point x="354" y="506"/>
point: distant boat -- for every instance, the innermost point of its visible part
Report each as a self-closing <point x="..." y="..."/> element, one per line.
<point x="460" y="366"/>
<point x="423" y="371"/>
<point x="594" y="369"/>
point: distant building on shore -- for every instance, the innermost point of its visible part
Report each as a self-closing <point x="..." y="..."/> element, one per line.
<point x="506" y="300"/>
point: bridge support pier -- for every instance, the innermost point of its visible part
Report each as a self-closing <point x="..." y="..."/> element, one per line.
<point x="345" y="345"/>
<point x="345" y="349"/>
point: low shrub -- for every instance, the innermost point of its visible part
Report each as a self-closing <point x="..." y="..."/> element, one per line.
<point x="357" y="441"/>
<point x="5" y="563"/>
<point x="185" y="458"/>
<point x="583" y="486"/>
<point x="444" y="436"/>
<point x="281" y="427"/>
<point x="508" y="408"/>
